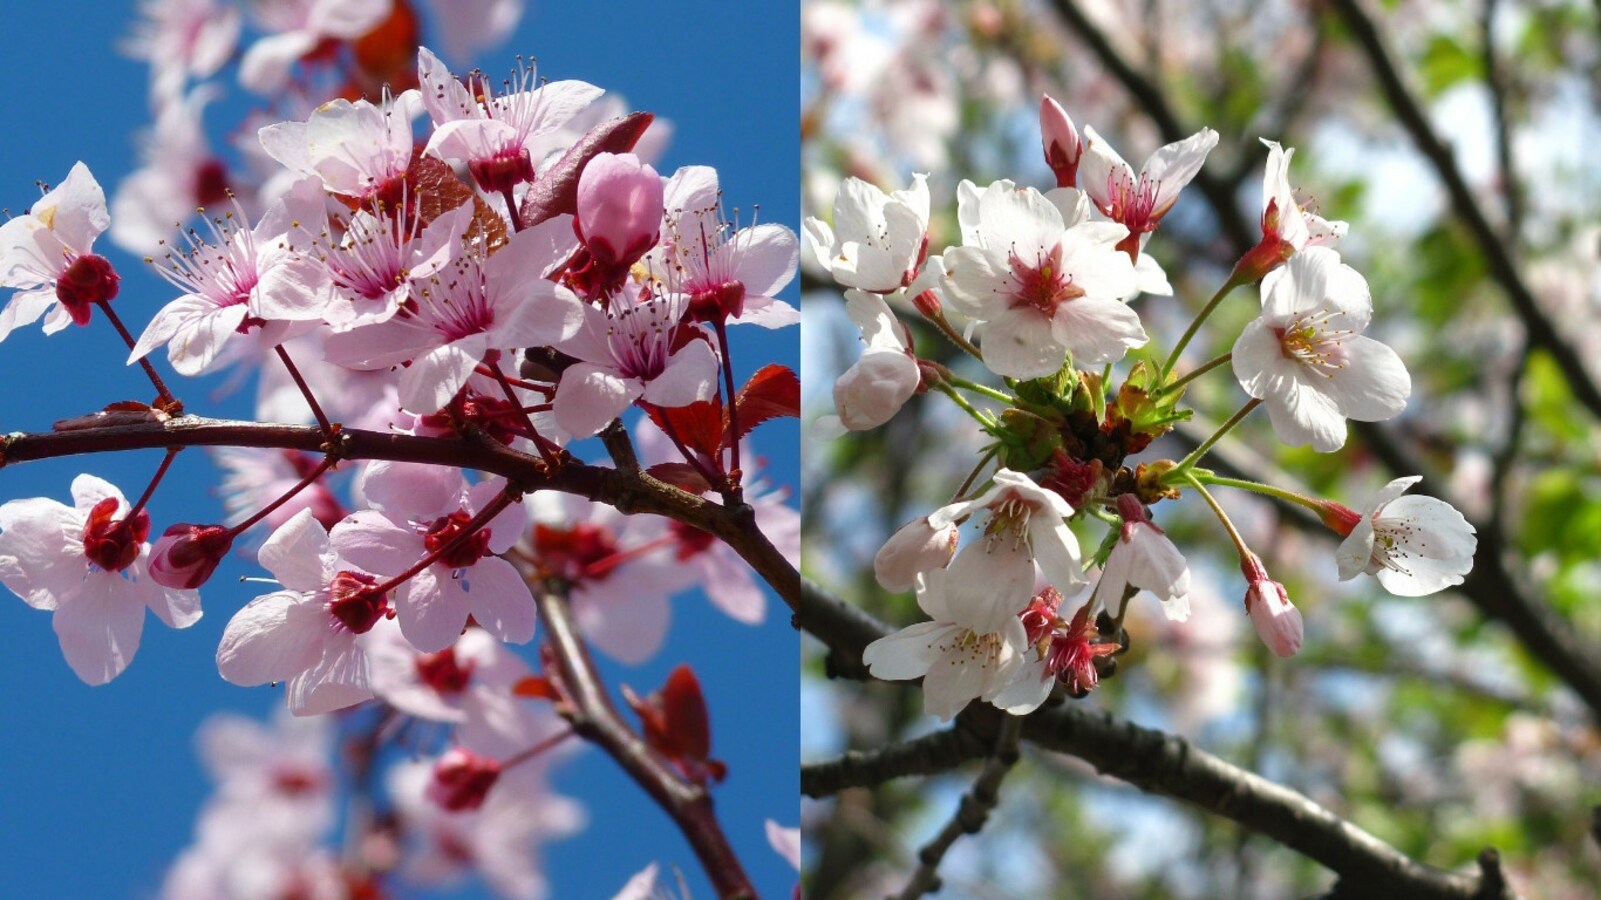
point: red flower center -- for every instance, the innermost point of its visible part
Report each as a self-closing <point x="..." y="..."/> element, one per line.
<point x="445" y="530"/>
<point x="355" y="601"/>
<point x="113" y="544"/>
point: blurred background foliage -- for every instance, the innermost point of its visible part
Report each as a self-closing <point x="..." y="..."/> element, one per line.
<point x="1442" y="724"/>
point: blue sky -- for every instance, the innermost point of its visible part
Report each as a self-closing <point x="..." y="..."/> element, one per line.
<point x="101" y="784"/>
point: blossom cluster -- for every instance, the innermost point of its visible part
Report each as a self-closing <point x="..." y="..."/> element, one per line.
<point x="1043" y="294"/>
<point x="448" y="259"/>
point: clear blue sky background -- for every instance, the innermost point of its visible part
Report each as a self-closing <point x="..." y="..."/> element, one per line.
<point x="99" y="786"/>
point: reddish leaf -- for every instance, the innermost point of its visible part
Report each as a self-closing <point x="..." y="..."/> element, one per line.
<point x="557" y="191"/>
<point x="685" y="707"/>
<point x="772" y="392"/>
<point x="680" y="475"/>
<point x="537" y="687"/>
<point x="436" y="190"/>
<point x="699" y="425"/>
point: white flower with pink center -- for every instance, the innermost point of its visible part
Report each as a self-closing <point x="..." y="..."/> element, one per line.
<point x="1291" y="222"/>
<point x="306" y="634"/>
<point x="418" y="510"/>
<point x="1307" y="359"/>
<point x="1040" y="289"/>
<point x="180" y="38"/>
<point x="241" y="280"/>
<point x="253" y="478"/>
<point x="637" y="347"/>
<point x="723" y="270"/>
<point x="88" y="564"/>
<point x="1415" y="545"/>
<point x="465" y="310"/>
<point x="878" y="240"/>
<point x="178" y="173"/>
<point x="358" y="149"/>
<point x="39" y="249"/>
<point x="493" y="134"/>
<point x="992" y="579"/>
<point x="958" y="662"/>
<point x="1138" y="202"/>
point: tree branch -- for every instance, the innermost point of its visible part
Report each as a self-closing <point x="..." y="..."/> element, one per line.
<point x="971" y="813"/>
<point x="593" y="716"/>
<point x="930" y="754"/>
<point x="1542" y="333"/>
<point x="629" y="492"/>
<point x="1160" y="763"/>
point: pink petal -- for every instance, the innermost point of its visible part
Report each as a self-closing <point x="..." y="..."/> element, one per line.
<point x="99" y="627"/>
<point x="273" y="638"/>
<point x="501" y="600"/>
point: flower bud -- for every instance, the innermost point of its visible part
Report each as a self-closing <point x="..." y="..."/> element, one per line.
<point x="875" y="388"/>
<point x="1062" y="145"/>
<point x="462" y="779"/>
<point x="186" y="555"/>
<point x="620" y="208"/>
<point x="913" y="549"/>
<point x="89" y="280"/>
<point x="1277" y="621"/>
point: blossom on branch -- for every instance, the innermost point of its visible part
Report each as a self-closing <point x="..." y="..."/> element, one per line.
<point x="1414" y="545"/>
<point x="878" y="241"/>
<point x="46" y="255"/>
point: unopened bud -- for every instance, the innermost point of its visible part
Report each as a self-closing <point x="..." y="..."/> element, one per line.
<point x="1062" y="146"/>
<point x="1277" y="621"/>
<point x="186" y="555"/>
<point x="1340" y="519"/>
<point x="928" y="304"/>
<point x="113" y="544"/>
<point x="913" y="549"/>
<point x="89" y="280"/>
<point x="620" y="204"/>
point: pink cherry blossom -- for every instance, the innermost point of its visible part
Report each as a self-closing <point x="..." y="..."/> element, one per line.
<point x="358" y="149"/>
<point x="305" y="634"/>
<point x="726" y="271"/>
<point x="253" y="478"/>
<point x="1414" y="545"/>
<point x="878" y="241"/>
<point x="957" y="662"/>
<point x="1307" y="359"/>
<point x="180" y="39"/>
<point x="376" y="266"/>
<point x="464" y="26"/>
<point x="417" y="509"/>
<point x="1042" y="286"/>
<point x="1287" y="227"/>
<point x="880" y="382"/>
<point x="243" y="279"/>
<point x="620" y="568"/>
<point x="493" y="134"/>
<point x="467" y="309"/>
<point x="88" y="565"/>
<point x="1060" y="139"/>
<point x="295" y="28"/>
<point x="40" y="249"/>
<point x="178" y="173"/>
<point x="1139" y="202"/>
<point x="637" y="348"/>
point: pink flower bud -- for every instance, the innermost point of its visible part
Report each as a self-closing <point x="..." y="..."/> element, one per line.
<point x="619" y="209"/>
<point x="1277" y="621"/>
<point x="186" y="555"/>
<point x="462" y="779"/>
<point x="1060" y="138"/>
<point x="1340" y="519"/>
<point x="89" y="280"/>
<point x="873" y="390"/>
<point x="913" y="549"/>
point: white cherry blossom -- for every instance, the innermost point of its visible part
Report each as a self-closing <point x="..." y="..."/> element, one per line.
<point x="1306" y="356"/>
<point x="37" y="249"/>
<point x="877" y="240"/>
<point x="1042" y="284"/>
<point x="1415" y="545"/>
<point x="882" y="379"/>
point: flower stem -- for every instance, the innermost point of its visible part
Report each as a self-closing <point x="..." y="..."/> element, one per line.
<point x="975" y="387"/>
<point x="948" y="390"/>
<point x="305" y="391"/>
<point x="326" y="464"/>
<point x="150" y="489"/>
<point x="1195" y="326"/>
<point x="1260" y="488"/>
<point x="490" y="510"/>
<point x="732" y="406"/>
<point x="511" y="208"/>
<point x="544" y="745"/>
<point x="1184" y="464"/>
<point x="1234" y="534"/>
<point x="168" y="402"/>
<point x="547" y="450"/>
<point x="950" y="332"/>
<point x="1195" y="373"/>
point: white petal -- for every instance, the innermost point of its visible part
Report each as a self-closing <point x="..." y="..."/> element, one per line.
<point x="99" y="627"/>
